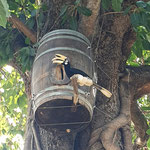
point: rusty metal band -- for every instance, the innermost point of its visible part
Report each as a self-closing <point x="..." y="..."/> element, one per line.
<point x="68" y="32"/>
<point x="65" y="49"/>
<point x="52" y="88"/>
<point x="41" y="97"/>
<point x="72" y="123"/>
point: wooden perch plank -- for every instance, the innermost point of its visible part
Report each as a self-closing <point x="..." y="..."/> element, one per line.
<point x="75" y="90"/>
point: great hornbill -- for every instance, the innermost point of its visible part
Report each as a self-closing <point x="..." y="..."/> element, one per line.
<point x="81" y="77"/>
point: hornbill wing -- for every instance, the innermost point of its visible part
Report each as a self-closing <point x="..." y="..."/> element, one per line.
<point x="77" y="71"/>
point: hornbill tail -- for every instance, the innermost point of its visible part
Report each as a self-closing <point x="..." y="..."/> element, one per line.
<point x="103" y="90"/>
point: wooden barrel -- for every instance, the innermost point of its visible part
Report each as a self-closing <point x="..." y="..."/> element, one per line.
<point x="52" y="101"/>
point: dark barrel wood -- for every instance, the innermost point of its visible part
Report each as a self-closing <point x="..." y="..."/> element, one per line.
<point x="52" y="101"/>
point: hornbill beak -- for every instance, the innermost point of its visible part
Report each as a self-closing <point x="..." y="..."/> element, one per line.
<point x="59" y="59"/>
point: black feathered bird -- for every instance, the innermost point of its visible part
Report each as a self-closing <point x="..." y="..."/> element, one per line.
<point x="82" y="78"/>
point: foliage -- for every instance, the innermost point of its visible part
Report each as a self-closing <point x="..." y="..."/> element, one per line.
<point x="9" y="40"/>
<point x="25" y="10"/>
<point x="4" y="12"/>
<point x="144" y="104"/>
<point x="26" y="57"/>
<point x="141" y="24"/>
<point x="13" y="107"/>
<point x="6" y="38"/>
<point x="70" y="14"/>
<point x="140" y="20"/>
<point x="116" y="4"/>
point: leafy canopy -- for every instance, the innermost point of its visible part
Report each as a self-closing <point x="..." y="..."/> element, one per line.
<point x="13" y="108"/>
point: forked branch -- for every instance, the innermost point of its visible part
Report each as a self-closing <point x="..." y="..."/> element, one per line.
<point x="106" y="133"/>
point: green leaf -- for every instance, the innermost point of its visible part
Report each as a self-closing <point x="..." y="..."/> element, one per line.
<point x="116" y="5"/>
<point x="148" y="143"/>
<point x="146" y="108"/>
<point x="22" y="101"/>
<point x="6" y="7"/>
<point x="32" y="52"/>
<point x="65" y="18"/>
<point x="135" y="19"/>
<point x="146" y="45"/>
<point x="73" y="23"/>
<point x="141" y="4"/>
<point x="106" y="4"/>
<point x="13" y="5"/>
<point x="31" y="23"/>
<point x="132" y="57"/>
<point x="32" y="1"/>
<point x="126" y="11"/>
<point x="83" y="10"/>
<point x="138" y="48"/>
<point x="3" y="131"/>
<point x="147" y="61"/>
<point x="134" y="64"/>
<point x="63" y="10"/>
<point x="27" y="41"/>
<point x="143" y="20"/>
<point x="148" y="37"/>
<point x="8" y="49"/>
<point x="3" y="19"/>
<point x="41" y="19"/>
<point x="33" y="13"/>
<point x="77" y="2"/>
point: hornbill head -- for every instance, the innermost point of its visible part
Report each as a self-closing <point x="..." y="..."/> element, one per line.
<point x="60" y="59"/>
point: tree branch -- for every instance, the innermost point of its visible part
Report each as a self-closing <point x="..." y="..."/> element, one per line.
<point x="107" y="132"/>
<point x="122" y="120"/>
<point x="88" y="24"/>
<point x="140" y="125"/>
<point x="21" y="27"/>
<point x="139" y="78"/>
<point x="127" y="138"/>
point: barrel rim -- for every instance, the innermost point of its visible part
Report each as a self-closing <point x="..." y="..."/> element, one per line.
<point x="64" y="49"/>
<point x="56" y="87"/>
<point x="66" y="31"/>
<point x="68" y="94"/>
<point x="56" y="95"/>
<point x="63" y="37"/>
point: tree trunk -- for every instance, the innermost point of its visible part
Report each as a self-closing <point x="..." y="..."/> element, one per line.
<point x="111" y="37"/>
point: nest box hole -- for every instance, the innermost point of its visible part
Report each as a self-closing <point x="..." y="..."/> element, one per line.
<point x="60" y="72"/>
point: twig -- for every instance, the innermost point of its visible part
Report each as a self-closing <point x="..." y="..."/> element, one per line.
<point x="35" y="136"/>
<point x="110" y="13"/>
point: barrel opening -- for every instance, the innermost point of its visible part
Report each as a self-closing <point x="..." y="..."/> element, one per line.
<point x="58" y="114"/>
<point x="60" y="72"/>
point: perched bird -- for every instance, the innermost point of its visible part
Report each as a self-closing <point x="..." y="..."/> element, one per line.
<point x="81" y="77"/>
